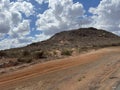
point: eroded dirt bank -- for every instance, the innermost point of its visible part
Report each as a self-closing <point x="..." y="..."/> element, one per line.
<point x="95" y="70"/>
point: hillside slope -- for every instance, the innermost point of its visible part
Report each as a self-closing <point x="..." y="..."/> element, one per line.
<point x="84" y="37"/>
<point x="62" y="44"/>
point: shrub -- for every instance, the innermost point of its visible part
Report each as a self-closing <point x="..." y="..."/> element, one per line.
<point x="66" y="52"/>
<point x="26" y="53"/>
<point x="24" y="60"/>
<point x="3" y="54"/>
<point x="39" y="54"/>
<point x="82" y="49"/>
<point x="1" y="65"/>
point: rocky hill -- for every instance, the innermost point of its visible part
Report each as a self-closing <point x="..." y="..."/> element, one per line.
<point x="62" y="44"/>
<point x="80" y="38"/>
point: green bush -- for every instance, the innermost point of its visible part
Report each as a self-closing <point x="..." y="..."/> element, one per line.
<point x="66" y="52"/>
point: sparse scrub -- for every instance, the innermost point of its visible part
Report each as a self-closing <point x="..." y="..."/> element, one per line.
<point x="39" y="54"/>
<point x="8" y="64"/>
<point x="2" y="54"/>
<point x="13" y="63"/>
<point x="83" y="77"/>
<point x="25" y="53"/>
<point x="54" y="52"/>
<point x="80" y="79"/>
<point x="82" y="49"/>
<point x="114" y="44"/>
<point x="66" y="52"/>
<point x="24" y="60"/>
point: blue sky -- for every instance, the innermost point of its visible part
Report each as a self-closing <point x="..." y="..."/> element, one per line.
<point x="88" y="3"/>
<point x="26" y="21"/>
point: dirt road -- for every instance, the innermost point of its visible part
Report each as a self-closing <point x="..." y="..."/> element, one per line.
<point x="95" y="70"/>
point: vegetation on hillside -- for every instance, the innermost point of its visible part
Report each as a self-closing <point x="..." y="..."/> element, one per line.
<point x="61" y="45"/>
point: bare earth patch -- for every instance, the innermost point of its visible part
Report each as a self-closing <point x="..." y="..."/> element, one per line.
<point x="95" y="70"/>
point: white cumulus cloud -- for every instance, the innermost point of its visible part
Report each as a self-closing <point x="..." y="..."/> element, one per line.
<point x="11" y="19"/>
<point x="61" y="15"/>
<point x="12" y="23"/>
<point x="107" y="15"/>
<point x="41" y="1"/>
<point x="21" y="30"/>
<point x="23" y="6"/>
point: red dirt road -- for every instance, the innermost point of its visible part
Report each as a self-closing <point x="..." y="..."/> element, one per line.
<point x="95" y="70"/>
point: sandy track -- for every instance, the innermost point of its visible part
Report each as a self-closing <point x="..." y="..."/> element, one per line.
<point x="91" y="71"/>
